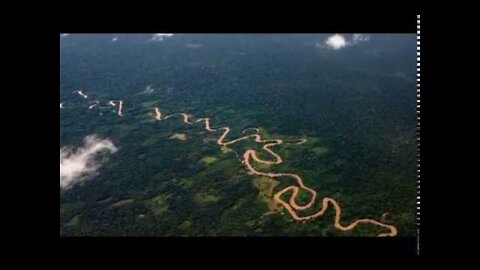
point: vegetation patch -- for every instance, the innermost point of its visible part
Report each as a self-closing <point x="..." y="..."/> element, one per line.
<point x="159" y="204"/>
<point x="185" y="225"/>
<point x="74" y="221"/>
<point x="265" y="186"/>
<point x="226" y="149"/>
<point x="185" y="183"/>
<point x="260" y="166"/>
<point x="319" y="150"/>
<point x="207" y="160"/>
<point x="250" y="223"/>
<point x="210" y="196"/>
<point x="179" y="136"/>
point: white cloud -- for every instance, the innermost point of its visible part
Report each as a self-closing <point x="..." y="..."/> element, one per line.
<point x="336" y="42"/>
<point x="76" y="166"/>
<point x="64" y="35"/>
<point x="114" y="39"/>
<point x="148" y="90"/>
<point x="159" y="37"/>
<point x="360" y="38"/>
<point x="80" y="92"/>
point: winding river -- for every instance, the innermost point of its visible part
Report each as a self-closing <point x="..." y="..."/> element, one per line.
<point x="291" y="205"/>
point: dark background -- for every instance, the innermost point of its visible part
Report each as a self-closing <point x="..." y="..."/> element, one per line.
<point x="402" y="23"/>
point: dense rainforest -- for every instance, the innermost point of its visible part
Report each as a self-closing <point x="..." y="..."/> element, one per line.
<point x="355" y="106"/>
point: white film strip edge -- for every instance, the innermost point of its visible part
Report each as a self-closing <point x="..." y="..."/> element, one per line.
<point x="418" y="121"/>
